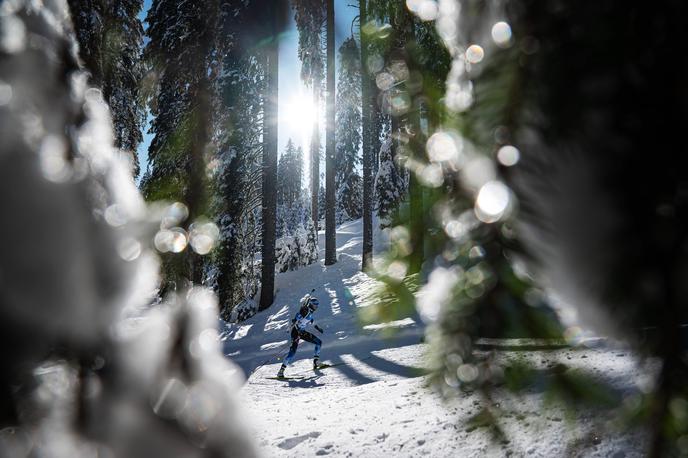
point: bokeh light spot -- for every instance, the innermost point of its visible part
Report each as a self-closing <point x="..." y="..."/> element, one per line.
<point x="203" y="237"/>
<point x="443" y="147"/>
<point x="492" y="202"/>
<point x="475" y="54"/>
<point x="172" y="240"/>
<point x="5" y="93"/>
<point x="508" y="155"/>
<point x="501" y="34"/>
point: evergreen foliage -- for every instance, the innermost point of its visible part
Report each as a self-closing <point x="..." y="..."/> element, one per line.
<point x="237" y="173"/>
<point x="110" y="37"/>
<point x="290" y="175"/>
<point x="311" y="253"/>
<point x="79" y="270"/>
<point x="388" y="185"/>
<point x="321" y="197"/>
<point x="182" y="53"/>
<point x="310" y="22"/>
<point x="297" y="250"/>
<point x="348" y="133"/>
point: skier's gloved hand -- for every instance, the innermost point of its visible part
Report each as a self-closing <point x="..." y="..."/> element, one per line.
<point x="319" y="329"/>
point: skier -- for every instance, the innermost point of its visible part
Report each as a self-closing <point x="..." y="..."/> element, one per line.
<point x="303" y="318"/>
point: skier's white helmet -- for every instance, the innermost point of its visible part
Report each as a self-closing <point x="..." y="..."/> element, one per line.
<point x="313" y="304"/>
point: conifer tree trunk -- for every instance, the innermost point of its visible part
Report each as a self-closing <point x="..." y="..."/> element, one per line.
<point x="269" y="210"/>
<point x="416" y="144"/>
<point x="330" y="228"/>
<point x="315" y="152"/>
<point x="195" y="190"/>
<point x="376" y="128"/>
<point x="367" y="125"/>
<point x="394" y="134"/>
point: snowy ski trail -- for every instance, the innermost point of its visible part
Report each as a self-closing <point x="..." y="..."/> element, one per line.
<point x="375" y="402"/>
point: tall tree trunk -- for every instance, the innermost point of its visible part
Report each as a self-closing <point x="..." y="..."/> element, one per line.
<point x="417" y="146"/>
<point x="269" y="210"/>
<point x="367" y="129"/>
<point x="195" y="191"/>
<point x="377" y="127"/>
<point x="394" y="134"/>
<point x="195" y="195"/>
<point x="315" y="152"/>
<point x="330" y="225"/>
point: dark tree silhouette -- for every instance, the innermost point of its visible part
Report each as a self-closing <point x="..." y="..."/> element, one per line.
<point x="330" y="160"/>
<point x="270" y="109"/>
<point x="367" y="137"/>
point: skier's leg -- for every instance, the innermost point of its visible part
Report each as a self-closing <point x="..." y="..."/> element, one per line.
<point x="318" y="345"/>
<point x="308" y="337"/>
<point x="292" y="351"/>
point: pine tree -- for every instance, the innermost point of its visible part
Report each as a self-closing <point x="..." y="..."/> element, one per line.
<point x="110" y="37"/>
<point x="348" y="133"/>
<point x="290" y="205"/>
<point x="237" y="190"/>
<point x="388" y="185"/>
<point x="182" y="53"/>
<point x="321" y="196"/>
<point x="66" y="274"/>
<point x="582" y="156"/>
<point x="290" y="176"/>
<point x="311" y="254"/>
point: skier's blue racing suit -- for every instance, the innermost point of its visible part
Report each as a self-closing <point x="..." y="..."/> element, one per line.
<point x="298" y="331"/>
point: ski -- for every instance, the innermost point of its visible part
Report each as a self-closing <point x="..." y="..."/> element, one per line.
<point x="303" y="374"/>
<point x="285" y="378"/>
<point x="325" y="366"/>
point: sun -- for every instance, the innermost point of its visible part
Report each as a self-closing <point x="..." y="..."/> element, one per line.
<point x="298" y="116"/>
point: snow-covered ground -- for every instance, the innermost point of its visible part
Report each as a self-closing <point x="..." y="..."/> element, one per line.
<point x="376" y="402"/>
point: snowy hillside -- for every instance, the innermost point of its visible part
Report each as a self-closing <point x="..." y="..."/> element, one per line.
<point x="342" y="290"/>
<point x="375" y="402"/>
